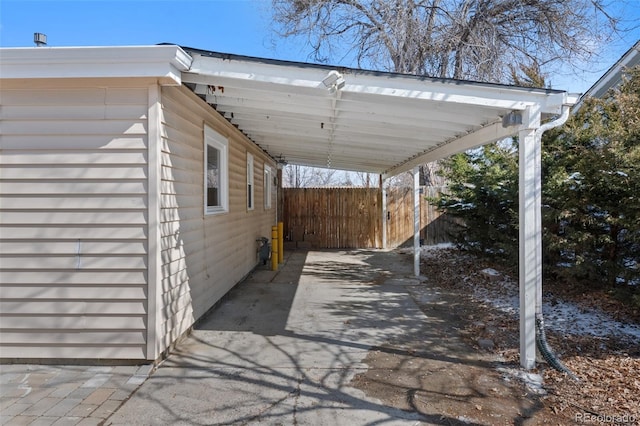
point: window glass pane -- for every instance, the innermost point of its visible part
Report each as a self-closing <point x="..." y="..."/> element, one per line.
<point x="213" y="176"/>
<point x="216" y="173"/>
<point x="249" y="181"/>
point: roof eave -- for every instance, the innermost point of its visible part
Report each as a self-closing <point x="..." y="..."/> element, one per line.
<point x="166" y="63"/>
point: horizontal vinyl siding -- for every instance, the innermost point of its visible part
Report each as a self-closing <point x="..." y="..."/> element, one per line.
<point x="203" y="256"/>
<point x="73" y="220"/>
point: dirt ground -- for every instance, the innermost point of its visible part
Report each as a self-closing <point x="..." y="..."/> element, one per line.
<point x="462" y="367"/>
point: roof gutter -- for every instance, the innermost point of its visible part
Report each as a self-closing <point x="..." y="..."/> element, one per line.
<point x="564" y="116"/>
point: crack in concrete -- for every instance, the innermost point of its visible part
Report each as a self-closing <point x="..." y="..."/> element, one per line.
<point x="295" y="393"/>
<point x="295" y="402"/>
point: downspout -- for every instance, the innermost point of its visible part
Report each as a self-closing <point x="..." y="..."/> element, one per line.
<point x="541" y="339"/>
<point x="564" y="116"/>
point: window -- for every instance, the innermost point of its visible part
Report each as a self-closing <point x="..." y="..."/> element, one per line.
<point x="249" y="181"/>
<point x="216" y="183"/>
<point x="268" y="181"/>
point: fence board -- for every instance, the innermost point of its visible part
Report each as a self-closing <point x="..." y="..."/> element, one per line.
<point x="352" y="217"/>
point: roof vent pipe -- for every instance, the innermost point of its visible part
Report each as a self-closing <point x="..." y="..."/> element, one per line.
<point x="40" y="39"/>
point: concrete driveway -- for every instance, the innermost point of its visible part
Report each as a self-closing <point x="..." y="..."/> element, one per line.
<point x="282" y="347"/>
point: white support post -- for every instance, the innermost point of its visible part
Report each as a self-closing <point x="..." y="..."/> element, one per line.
<point x="416" y="221"/>
<point x="530" y="245"/>
<point x="384" y="213"/>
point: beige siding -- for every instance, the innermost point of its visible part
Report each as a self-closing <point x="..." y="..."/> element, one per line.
<point x="73" y="219"/>
<point x="203" y="256"/>
<point x="75" y="224"/>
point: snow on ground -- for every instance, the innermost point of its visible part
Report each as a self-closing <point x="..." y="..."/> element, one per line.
<point x="561" y="316"/>
<point x="532" y="381"/>
<point x="426" y="250"/>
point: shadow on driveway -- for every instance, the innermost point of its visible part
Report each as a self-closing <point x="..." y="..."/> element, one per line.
<point x="284" y="348"/>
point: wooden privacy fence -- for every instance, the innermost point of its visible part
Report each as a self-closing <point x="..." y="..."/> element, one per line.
<point x="434" y="226"/>
<point x="352" y="217"/>
<point x="333" y="217"/>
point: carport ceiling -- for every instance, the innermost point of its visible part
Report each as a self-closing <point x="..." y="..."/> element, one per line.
<point x="368" y="121"/>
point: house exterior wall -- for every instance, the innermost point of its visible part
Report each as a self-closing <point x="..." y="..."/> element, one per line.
<point x="203" y="256"/>
<point x="73" y="218"/>
<point x="105" y="248"/>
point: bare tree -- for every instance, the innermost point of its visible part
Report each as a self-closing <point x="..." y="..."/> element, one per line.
<point x="484" y="40"/>
<point x="470" y="39"/>
<point x="366" y="180"/>
<point x="430" y="174"/>
<point x="294" y="176"/>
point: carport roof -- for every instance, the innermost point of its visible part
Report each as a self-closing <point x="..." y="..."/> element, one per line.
<point x="310" y="114"/>
<point x="354" y="119"/>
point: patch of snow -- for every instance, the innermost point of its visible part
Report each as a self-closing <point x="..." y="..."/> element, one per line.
<point x="561" y="316"/>
<point x="427" y="251"/>
<point x="570" y="319"/>
<point x="440" y="246"/>
<point x="463" y="206"/>
<point x="617" y="172"/>
<point x="575" y="176"/>
<point x="490" y="271"/>
<point x="532" y="381"/>
<point x="507" y="302"/>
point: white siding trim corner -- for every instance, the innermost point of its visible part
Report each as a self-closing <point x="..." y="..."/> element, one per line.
<point x="154" y="294"/>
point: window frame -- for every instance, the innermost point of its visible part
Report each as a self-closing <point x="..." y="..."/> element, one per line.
<point x="218" y="142"/>
<point x="251" y="201"/>
<point x="268" y="187"/>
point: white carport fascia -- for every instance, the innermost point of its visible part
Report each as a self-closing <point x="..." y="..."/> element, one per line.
<point x="305" y="76"/>
<point x="551" y="105"/>
<point x="164" y="62"/>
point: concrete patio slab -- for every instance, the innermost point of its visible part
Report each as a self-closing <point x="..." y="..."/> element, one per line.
<point x="282" y="348"/>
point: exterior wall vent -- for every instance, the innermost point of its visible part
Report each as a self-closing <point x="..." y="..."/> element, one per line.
<point x="40" y="39"/>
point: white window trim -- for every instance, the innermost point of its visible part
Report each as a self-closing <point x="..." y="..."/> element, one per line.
<point x="219" y="142"/>
<point x="251" y="200"/>
<point x="268" y="186"/>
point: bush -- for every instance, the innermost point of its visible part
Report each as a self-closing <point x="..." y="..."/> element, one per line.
<point x="591" y="193"/>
